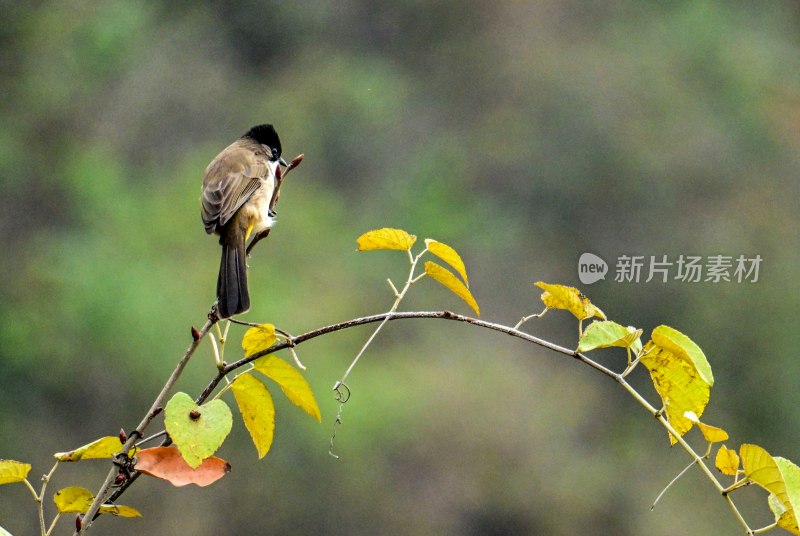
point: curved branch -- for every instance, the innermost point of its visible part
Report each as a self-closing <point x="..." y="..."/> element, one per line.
<point x="332" y="328"/>
<point x="445" y="315"/>
<point x="389" y="316"/>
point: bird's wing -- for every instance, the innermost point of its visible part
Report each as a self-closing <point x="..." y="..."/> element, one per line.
<point x="230" y="180"/>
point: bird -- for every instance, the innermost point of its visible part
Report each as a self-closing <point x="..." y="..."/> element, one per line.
<point x="240" y="189"/>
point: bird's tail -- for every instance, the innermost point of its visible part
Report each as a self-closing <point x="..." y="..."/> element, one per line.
<point x="232" y="296"/>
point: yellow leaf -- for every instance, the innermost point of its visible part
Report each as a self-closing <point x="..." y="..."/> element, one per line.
<point x="258" y="411"/>
<point x="784" y="518"/>
<point x="569" y="298"/>
<point x="448" y="255"/>
<point x="678" y="384"/>
<point x="683" y="347"/>
<point x="76" y="499"/>
<point x="73" y="499"/>
<point x="12" y="471"/>
<point x="291" y="382"/>
<point x="727" y="461"/>
<point x="4" y="532"/>
<point x="120" y="510"/>
<point x="386" y="238"/>
<point x="711" y="433"/>
<point x="105" y="447"/>
<point x="258" y="338"/>
<point x="778" y="476"/>
<point x="446" y="278"/>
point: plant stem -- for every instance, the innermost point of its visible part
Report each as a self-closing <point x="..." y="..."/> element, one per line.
<point x="155" y="408"/>
<point x="53" y="524"/>
<point x="40" y="497"/>
<point x="663" y="491"/>
<point x="410" y="280"/>
<point x="764" y="529"/>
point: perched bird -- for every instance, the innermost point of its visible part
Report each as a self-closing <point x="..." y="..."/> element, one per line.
<point x="236" y="201"/>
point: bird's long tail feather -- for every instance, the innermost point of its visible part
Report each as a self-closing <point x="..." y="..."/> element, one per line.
<point x="232" y="296"/>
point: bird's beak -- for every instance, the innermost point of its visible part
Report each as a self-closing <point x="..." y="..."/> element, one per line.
<point x="282" y="162"/>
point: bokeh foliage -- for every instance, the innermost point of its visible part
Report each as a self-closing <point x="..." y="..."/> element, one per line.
<point x="523" y="133"/>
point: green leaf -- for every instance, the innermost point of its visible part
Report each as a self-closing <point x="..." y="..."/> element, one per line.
<point x="197" y="431"/>
<point x="446" y="278"/>
<point x="258" y="411"/>
<point x="291" y="382"/>
<point x="778" y="476"/>
<point x="606" y="333"/>
<point x="386" y="238"/>
<point x="258" y="339"/>
<point x="448" y="255"/>
<point x="791" y="477"/>
<point x="105" y="447"/>
<point x="12" y="471"/>
<point x="683" y="347"/>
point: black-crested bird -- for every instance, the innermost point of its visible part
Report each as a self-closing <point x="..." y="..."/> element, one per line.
<point x="236" y="201"/>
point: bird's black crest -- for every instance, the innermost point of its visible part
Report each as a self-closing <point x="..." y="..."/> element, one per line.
<point x="265" y="135"/>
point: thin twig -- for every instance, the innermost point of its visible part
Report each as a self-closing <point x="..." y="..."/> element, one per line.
<point x="53" y="524"/>
<point x="529" y="317"/>
<point x="40" y="498"/>
<point x="677" y="477"/>
<point x="398" y="298"/>
<point x="150" y="438"/>
<point x="765" y="529"/>
<point x="155" y="409"/>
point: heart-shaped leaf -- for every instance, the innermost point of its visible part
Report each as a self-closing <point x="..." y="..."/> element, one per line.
<point x="197" y="431"/>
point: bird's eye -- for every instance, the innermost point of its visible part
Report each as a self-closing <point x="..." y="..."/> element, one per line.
<point x="275" y="154"/>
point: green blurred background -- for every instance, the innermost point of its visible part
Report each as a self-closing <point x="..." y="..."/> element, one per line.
<point x="521" y="133"/>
